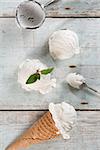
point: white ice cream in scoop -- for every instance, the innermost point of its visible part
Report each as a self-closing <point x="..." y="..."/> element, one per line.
<point x="75" y="80"/>
<point x="63" y="44"/>
<point x="29" y="67"/>
<point x="64" y="116"/>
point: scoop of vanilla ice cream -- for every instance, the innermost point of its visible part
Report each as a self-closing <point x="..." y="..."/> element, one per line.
<point x="64" y="116"/>
<point x="29" y="67"/>
<point x="63" y="44"/>
<point x="75" y="80"/>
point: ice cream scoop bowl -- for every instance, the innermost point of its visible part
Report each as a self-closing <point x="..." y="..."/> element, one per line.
<point x="31" y="14"/>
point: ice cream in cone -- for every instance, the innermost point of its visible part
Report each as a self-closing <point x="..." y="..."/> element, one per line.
<point x="49" y="126"/>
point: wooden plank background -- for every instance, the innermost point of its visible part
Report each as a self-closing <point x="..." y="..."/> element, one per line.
<point x="62" y="8"/>
<point x="19" y="109"/>
<point x="85" y="136"/>
<point x="34" y="44"/>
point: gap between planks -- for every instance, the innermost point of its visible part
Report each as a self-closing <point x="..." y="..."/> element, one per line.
<point x="14" y="110"/>
<point x="58" y="16"/>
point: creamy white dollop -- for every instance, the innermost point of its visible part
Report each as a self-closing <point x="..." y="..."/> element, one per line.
<point x="64" y="116"/>
<point x="29" y="67"/>
<point x="75" y="80"/>
<point x="63" y="44"/>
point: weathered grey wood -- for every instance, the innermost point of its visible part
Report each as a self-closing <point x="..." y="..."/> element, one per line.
<point x="16" y="45"/>
<point x="85" y="136"/>
<point x="63" y="8"/>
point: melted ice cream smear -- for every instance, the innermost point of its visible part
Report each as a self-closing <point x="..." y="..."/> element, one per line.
<point x="29" y="67"/>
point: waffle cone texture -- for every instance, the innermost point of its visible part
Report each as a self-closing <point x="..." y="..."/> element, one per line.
<point x="44" y="129"/>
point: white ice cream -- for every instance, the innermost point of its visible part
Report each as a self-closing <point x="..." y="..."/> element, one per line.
<point x="63" y="44"/>
<point x="29" y="67"/>
<point x="64" y="116"/>
<point x="75" y="80"/>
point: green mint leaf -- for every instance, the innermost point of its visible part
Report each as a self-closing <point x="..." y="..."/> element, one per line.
<point x="47" y="71"/>
<point x="38" y="76"/>
<point x="33" y="78"/>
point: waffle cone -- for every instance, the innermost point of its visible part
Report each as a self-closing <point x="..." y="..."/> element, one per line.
<point x="44" y="129"/>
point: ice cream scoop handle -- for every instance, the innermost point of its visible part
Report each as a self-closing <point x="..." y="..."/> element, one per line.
<point x="49" y="2"/>
<point x="94" y="90"/>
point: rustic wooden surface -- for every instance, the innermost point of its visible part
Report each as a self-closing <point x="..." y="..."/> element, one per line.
<point x="62" y="8"/>
<point x="16" y="45"/>
<point x="82" y="16"/>
<point x="85" y="136"/>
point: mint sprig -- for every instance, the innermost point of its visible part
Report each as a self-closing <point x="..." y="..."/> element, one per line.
<point x="47" y="71"/>
<point x="36" y="76"/>
<point x="33" y="78"/>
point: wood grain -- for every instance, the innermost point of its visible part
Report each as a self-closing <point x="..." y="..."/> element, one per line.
<point x="16" y="45"/>
<point x="85" y="136"/>
<point x="62" y="8"/>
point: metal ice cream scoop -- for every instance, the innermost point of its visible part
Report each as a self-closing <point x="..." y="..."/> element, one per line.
<point x="31" y="14"/>
<point x="78" y="81"/>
